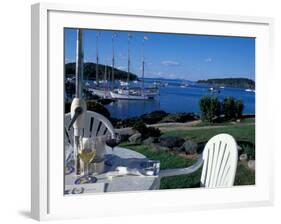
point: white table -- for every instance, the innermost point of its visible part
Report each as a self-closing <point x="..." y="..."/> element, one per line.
<point x="119" y="157"/>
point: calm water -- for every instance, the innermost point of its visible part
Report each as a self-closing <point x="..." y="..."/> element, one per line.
<point x="173" y="98"/>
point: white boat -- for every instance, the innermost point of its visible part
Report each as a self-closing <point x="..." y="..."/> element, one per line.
<point x="184" y="85"/>
<point x="99" y="92"/>
<point x="250" y="90"/>
<point x="151" y="92"/>
<point x="122" y="83"/>
<point x="127" y="95"/>
<point x="214" y="90"/>
<point x="160" y="84"/>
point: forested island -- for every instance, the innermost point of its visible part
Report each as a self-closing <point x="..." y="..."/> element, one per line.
<point x="230" y="82"/>
<point x="90" y="72"/>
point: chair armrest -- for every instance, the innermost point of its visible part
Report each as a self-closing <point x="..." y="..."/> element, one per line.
<point x="182" y="171"/>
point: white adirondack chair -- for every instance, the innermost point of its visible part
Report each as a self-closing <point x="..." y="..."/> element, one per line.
<point x="95" y="125"/>
<point x="219" y="161"/>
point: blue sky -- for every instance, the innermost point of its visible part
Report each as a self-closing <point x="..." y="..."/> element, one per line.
<point x="190" y="57"/>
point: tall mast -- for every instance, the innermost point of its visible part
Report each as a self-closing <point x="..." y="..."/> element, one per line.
<point x="129" y="59"/>
<point x="105" y="74"/>
<point x="97" y="57"/>
<point x="113" y="59"/>
<point x="79" y="63"/>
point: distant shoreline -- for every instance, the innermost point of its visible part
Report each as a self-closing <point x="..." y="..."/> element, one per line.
<point x="230" y="82"/>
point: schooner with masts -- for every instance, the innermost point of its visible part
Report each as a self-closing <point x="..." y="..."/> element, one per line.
<point x="124" y="91"/>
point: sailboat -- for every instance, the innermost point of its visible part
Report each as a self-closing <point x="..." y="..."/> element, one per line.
<point x="103" y="90"/>
<point x="126" y="93"/>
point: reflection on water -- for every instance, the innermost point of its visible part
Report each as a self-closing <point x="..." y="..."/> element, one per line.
<point x="176" y="99"/>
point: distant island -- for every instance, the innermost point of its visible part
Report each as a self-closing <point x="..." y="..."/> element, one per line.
<point x="90" y="72"/>
<point x="230" y="82"/>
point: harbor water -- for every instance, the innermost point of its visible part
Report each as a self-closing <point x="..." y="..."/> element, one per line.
<point x="176" y="98"/>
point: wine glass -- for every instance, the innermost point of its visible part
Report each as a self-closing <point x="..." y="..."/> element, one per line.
<point x="87" y="152"/>
<point x="112" y="142"/>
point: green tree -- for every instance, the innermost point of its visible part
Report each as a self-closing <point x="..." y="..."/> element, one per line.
<point x="232" y="108"/>
<point x="239" y="108"/>
<point x="210" y="108"/>
<point x="229" y="108"/>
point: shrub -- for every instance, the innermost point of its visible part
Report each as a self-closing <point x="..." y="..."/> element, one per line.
<point x="229" y="108"/>
<point x="250" y="151"/>
<point x="146" y="131"/>
<point x="239" y="108"/>
<point x="153" y="132"/>
<point x="232" y="108"/>
<point x="140" y="127"/>
<point x="210" y="108"/>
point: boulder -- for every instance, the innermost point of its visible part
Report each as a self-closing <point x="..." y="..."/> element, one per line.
<point x="171" y="141"/>
<point x="135" y="138"/>
<point x="149" y="140"/>
<point x="180" y="117"/>
<point x="251" y="164"/>
<point x="178" y="149"/>
<point x="124" y="137"/>
<point x="243" y="157"/>
<point x="153" y="117"/>
<point x="190" y="147"/>
<point x="159" y="148"/>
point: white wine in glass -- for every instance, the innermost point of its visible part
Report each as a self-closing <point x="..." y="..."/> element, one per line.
<point x="87" y="152"/>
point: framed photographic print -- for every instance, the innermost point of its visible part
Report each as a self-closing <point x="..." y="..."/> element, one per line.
<point x="148" y="111"/>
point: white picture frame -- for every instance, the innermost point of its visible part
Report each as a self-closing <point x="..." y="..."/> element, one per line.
<point x="48" y="200"/>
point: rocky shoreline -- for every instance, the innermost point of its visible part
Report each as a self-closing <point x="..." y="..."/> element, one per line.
<point x="156" y="117"/>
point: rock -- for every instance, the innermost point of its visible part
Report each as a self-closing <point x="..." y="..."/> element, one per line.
<point x="153" y="117"/>
<point x="243" y="157"/>
<point x="124" y="137"/>
<point x="135" y="138"/>
<point x="178" y="149"/>
<point x="158" y="148"/>
<point x="180" y="117"/>
<point x="171" y="141"/>
<point x="251" y="164"/>
<point x="149" y="140"/>
<point x="190" y="147"/>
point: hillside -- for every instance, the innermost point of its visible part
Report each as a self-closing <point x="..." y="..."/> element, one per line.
<point x="90" y="72"/>
<point x="231" y="82"/>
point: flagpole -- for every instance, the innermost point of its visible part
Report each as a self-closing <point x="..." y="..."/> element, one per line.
<point x="129" y="60"/>
<point x="143" y="65"/>
<point x="79" y="63"/>
<point x="113" y="61"/>
<point x="78" y="106"/>
<point x="97" y="57"/>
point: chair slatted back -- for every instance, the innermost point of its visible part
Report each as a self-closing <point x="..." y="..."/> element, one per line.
<point x="95" y="125"/>
<point x="220" y="157"/>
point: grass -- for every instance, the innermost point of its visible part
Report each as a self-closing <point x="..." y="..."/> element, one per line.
<point x="239" y="132"/>
<point x="226" y="123"/>
<point x="244" y="176"/>
<point x="168" y="159"/>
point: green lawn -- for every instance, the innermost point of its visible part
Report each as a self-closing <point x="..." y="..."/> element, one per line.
<point x="244" y="176"/>
<point x="226" y="123"/>
<point x="239" y="132"/>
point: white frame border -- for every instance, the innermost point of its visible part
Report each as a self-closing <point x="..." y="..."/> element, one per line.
<point x="39" y="111"/>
